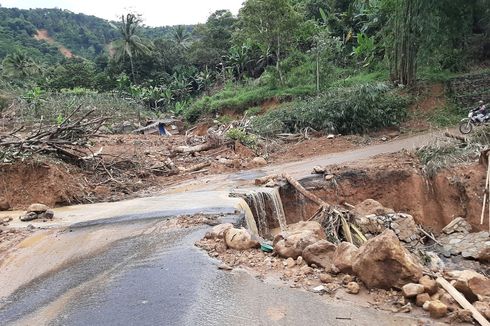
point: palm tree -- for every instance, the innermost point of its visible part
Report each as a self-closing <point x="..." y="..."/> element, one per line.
<point x="19" y="64"/>
<point x="181" y="36"/>
<point x="131" y="44"/>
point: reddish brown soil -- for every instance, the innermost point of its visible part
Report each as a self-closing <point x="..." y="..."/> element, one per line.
<point x="296" y="151"/>
<point x="32" y="181"/>
<point x="51" y="182"/>
<point x="396" y="181"/>
<point x="269" y="104"/>
<point x="429" y="99"/>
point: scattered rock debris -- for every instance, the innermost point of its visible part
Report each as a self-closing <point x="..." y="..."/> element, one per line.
<point x="395" y="275"/>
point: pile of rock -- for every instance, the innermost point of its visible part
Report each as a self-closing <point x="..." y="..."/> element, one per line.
<point x="382" y="262"/>
<point x="37" y="211"/>
<point x="427" y="294"/>
<point x="456" y="239"/>
<point x="306" y="257"/>
<point x="373" y="218"/>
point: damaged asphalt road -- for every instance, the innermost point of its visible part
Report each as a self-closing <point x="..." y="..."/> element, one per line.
<point x="161" y="278"/>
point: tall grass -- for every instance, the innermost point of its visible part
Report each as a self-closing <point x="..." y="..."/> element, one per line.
<point x="241" y="97"/>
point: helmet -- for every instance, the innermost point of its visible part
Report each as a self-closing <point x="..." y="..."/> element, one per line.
<point x="480" y="102"/>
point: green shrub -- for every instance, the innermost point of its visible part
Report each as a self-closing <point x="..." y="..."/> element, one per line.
<point x="256" y="110"/>
<point x="448" y="116"/>
<point x="242" y="97"/>
<point x="242" y="136"/>
<point x="357" y="109"/>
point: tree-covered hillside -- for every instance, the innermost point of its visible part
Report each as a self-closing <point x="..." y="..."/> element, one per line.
<point x="337" y="63"/>
<point x="86" y="36"/>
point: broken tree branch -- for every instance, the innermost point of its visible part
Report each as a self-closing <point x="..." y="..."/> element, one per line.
<point x="65" y="140"/>
<point x="460" y="138"/>
<point x="195" y="167"/>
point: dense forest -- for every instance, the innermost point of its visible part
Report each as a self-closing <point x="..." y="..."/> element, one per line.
<point x="332" y="63"/>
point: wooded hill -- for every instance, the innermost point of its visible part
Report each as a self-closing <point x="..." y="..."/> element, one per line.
<point x="83" y="35"/>
<point x="327" y="64"/>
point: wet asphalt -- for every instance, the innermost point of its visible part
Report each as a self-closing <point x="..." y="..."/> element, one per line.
<point x="163" y="279"/>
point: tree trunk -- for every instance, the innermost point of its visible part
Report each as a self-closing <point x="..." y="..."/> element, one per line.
<point x="405" y="45"/>
<point x="196" y="148"/>
<point x="132" y="68"/>
<point x="278" y="63"/>
<point x="318" y="72"/>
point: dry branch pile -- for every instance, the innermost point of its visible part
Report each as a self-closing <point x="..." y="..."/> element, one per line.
<point x="66" y="140"/>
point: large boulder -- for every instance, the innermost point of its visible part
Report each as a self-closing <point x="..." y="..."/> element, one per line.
<point x="484" y="255"/>
<point x="320" y="253"/>
<point x="344" y="257"/>
<point x="297" y="237"/>
<point x="37" y="208"/>
<point x="411" y="290"/>
<point x="483" y="307"/>
<point x="458" y="225"/>
<point x="372" y="207"/>
<point x="384" y="263"/>
<point x="217" y="232"/>
<point x="4" y="204"/>
<point x="28" y="216"/>
<point x="405" y="228"/>
<point x="239" y="239"/>
<point x="473" y="285"/>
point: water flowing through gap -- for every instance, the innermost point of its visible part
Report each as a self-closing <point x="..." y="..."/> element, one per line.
<point x="266" y="207"/>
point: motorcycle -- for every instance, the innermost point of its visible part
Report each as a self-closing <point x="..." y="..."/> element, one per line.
<point x="466" y="125"/>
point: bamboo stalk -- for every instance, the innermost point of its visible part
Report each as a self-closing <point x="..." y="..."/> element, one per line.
<point x="485" y="195"/>
<point x="346" y="229"/>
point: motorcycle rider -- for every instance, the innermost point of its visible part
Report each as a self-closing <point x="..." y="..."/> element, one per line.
<point x="481" y="111"/>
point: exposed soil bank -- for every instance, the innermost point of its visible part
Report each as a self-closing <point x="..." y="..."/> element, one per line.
<point x="37" y="182"/>
<point x="397" y="181"/>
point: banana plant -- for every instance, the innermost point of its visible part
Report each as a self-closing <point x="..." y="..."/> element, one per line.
<point x="204" y="80"/>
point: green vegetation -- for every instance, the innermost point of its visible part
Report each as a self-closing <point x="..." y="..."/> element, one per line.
<point x="36" y="103"/>
<point x="447" y="116"/>
<point x="242" y="136"/>
<point x="334" y="65"/>
<point x="243" y="97"/>
<point x="356" y="109"/>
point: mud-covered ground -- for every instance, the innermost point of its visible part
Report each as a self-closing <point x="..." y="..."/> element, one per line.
<point x="135" y="165"/>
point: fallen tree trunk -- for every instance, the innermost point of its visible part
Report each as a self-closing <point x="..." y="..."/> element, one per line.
<point x="462" y="301"/>
<point x="304" y="192"/>
<point x="193" y="149"/>
<point x="195" y="167"/>
<point x="264" y="180"/>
